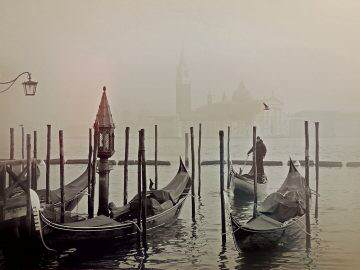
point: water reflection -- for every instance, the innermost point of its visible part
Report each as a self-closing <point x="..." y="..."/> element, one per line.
<point x="223" y="258"/>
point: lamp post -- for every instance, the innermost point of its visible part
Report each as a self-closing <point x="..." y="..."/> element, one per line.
<point x="29" y="85"/>
<point x="104" y="128"/>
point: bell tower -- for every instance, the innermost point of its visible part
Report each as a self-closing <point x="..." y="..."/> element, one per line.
<point x="183" y="89"/>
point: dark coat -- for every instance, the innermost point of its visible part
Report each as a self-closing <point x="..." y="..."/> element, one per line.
<point x="260" y="149"/>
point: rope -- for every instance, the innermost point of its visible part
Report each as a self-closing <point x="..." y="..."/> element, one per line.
<point x="137" y="227"/>
<point x="13" y="81"/>
<point x="6" y="89"/>
<point x="247" y="157"/>
<point x="37" y="222"/>
<point x="314" y="192"/>
<point x="301" y="228"/>
<point x="8" y="82"/>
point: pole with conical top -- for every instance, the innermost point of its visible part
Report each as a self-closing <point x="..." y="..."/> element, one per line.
<point x="105" y="127"/>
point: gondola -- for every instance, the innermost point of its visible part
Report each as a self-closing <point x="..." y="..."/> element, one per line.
<point x="74" y="191"/>
<point x="280" y="220"/>
<point x="103" y="230"/>
<point x="243" y="184"/>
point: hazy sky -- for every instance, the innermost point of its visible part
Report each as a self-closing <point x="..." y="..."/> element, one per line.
<point x="306" y="51"/>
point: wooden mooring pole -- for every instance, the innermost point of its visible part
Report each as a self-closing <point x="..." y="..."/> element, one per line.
<point x="228" y="158"/>
<point x="126" y="160"/>
<point x="199" y="162"/>
<point x="22" y="145"/>
<point x="22" y="142"/>
<point x="139" y="191"/>
<point x="156" y="157"/>
<point x="317" y="169"/>
<point x="255" y="173"/>
<point x="12" y="142"/>
<point x="12" y="149"/>
<point x="187" y="150"/>
<point x="89" y="169"/>
<point x="47" y="176"/>
<point x="307" y="198"/>
<point x="93" y="174"/>
<point x="28" y="183"/>
<point x="143" y="177"/>
<point x="62" y="194"/>
<point x="192" y="173"/>
<point x="222" y="200"/>
<point x="33" y="164"/>
<point x="2" y="190"/>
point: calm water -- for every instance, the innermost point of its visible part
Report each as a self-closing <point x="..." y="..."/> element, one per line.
<point x="188" y="245"/>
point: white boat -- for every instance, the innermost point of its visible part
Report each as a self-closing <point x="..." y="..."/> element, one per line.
<point x="243" y="185"/>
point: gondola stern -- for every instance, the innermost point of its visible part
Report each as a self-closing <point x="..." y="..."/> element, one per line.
<point x="182" y="167"/>
<point x="292" y="167"/>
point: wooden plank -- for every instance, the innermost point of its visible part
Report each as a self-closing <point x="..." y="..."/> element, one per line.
<point x="268" y="163"/>
<point x="353" y="164"/>
<point x="149" y="162"/>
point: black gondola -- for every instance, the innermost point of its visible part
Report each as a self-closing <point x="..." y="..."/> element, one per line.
<point x="281" y="219"/>
<point x="103" y="229"/>
<point x="74" y="191"/>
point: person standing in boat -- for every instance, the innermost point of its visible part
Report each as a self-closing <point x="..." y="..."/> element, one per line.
<point x="260" y="155"/>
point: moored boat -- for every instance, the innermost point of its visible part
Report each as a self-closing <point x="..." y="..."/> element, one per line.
<point x="74" y="192"/>
<point x="243" y="185"/>
<point x="280" y="219"/>
<point x="165" y="206"/>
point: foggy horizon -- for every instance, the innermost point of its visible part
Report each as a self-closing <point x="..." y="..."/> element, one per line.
<point x="306" y="53"/>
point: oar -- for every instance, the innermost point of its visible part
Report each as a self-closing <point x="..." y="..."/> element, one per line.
<point x="242" y="169"/>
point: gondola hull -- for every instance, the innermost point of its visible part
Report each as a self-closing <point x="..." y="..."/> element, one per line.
<point x="61" y="237"/>
<point x="243" y="187"/>
<point x="250" y="239"/>
<point x="101" y="230"/>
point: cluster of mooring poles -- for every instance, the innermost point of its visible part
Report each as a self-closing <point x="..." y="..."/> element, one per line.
<point x="19" y="208"/>
<point x="192" y="153"/>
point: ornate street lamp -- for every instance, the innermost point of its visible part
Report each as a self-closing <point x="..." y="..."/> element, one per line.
<point x="29" y="85"/>
<point x="104" y="128"/>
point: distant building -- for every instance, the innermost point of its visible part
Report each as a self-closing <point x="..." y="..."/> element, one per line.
<point x="239" y="112"/>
